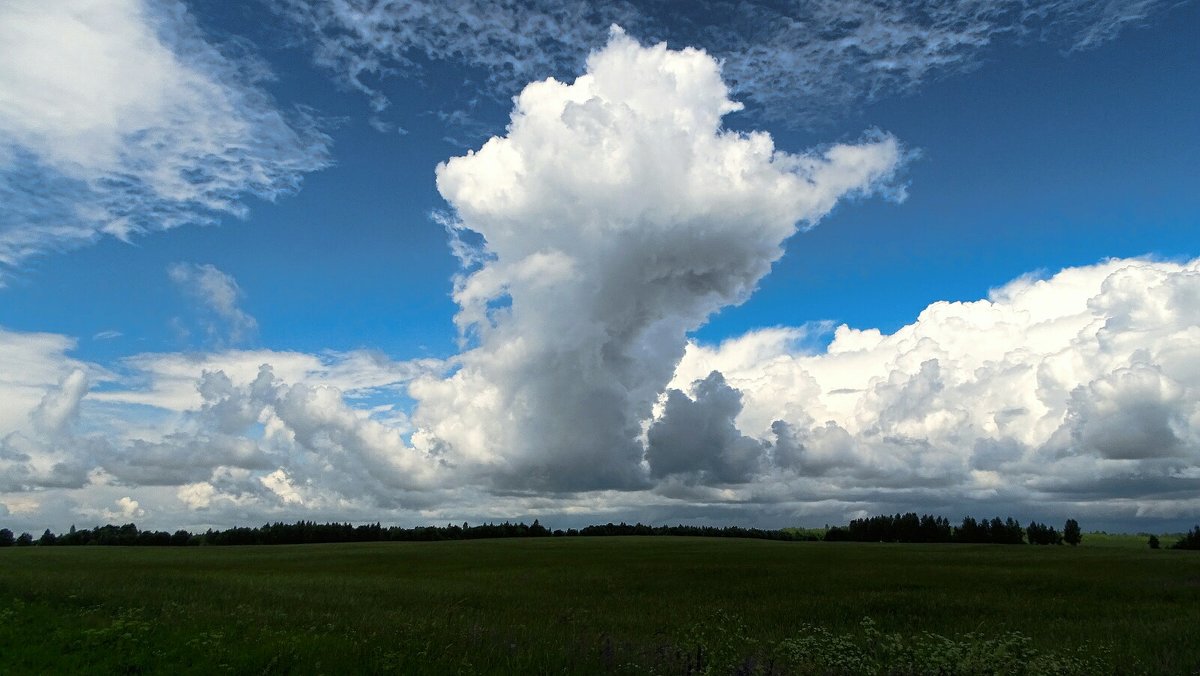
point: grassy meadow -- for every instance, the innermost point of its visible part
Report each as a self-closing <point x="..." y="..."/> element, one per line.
<point x="600" y="605"/>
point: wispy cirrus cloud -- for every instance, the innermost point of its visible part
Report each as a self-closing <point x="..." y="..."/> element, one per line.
<point x="808" y="62"/>
<point x="513" y="42"/>
<point x="219" y="297"/>
<point x="119" y="118"/>
<point x="801" y="63"/>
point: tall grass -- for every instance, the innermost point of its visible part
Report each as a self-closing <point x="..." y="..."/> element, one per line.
<point x="592" y="605"/>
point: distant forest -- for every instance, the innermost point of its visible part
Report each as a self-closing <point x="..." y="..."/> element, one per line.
<point x="884" y="528"/>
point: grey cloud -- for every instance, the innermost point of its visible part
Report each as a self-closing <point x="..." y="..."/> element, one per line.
<point x="20" y="471"/>
<point x="1156" y="481"/>
<point x="1131" y="413"/>
<point x="308" y="429"/>
<point x="697" y="436"/>
<point x="180" y="459"/>
<point x="812" y="451"/>
<point x="906" y="398"/>
<point x="1073" y="395"/>
<point x="48" y="459"/>
<point x="229" y="409"/>
<point x="304" y="435"/>
<point x="994" y="454"/>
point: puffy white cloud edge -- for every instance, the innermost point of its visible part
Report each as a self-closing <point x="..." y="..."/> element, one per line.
<point x="1077" y="393"/>
<point x="616" y="215"/>
<point x="1083" y="387"/>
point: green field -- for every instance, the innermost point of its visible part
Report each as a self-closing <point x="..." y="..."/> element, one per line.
<point x="1129" y="541"/>
<point x="595" y="605"/>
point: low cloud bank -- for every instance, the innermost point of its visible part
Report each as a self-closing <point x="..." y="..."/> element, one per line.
<point x="1073" y="395"/>
<point x="1083" y="387"/>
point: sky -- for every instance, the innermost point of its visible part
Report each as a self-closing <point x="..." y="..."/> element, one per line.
<point x="758" y="263"/>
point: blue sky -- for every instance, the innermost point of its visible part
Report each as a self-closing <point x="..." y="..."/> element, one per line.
<point x="999" y="145"/>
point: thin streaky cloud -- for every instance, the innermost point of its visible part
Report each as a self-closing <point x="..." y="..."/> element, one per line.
<point x="120" y="118"/>
<point x="800" y="63"/>
<point x="218" y="295"/>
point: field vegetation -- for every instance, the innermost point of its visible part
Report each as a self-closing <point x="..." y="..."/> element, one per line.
<point x="635" y="605"/>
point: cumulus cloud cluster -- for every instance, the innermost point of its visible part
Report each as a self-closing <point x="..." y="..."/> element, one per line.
<point x="1082" y="386"/>
<point x="617" y="215"/>
<point x="613" y="217"/>
<point x="801" y="62"/>
<point x="227" y="429"/>
<point x="1075" y="393"/>
<point x="121" y="117"/>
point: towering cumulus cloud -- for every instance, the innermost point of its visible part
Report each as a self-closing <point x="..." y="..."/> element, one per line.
<point x="616" y="216"/>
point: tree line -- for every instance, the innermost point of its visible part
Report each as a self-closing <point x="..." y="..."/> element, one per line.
<point x="908" y="527"/>
<point x="310" y="532"/>
<point x="929" y="528"/>
<point x="1190" y="540"/>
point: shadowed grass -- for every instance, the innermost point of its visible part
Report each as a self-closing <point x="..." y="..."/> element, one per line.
<point x="1125" y="540"/>
<point x="571" y="605"/>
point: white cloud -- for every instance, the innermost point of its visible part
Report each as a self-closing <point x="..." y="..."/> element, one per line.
<point x="617" y="215"/>
<point x="219" y="294"/>
<point x="279" y="483"/>
<point x="120" y="117"/>
<point x="252" y="425"/>
<point x="31" y="365"/>
<point x="1083" y="385"/>
<point x="60" y="407"/>
<point x="127" y="508"/>
<point x="1074" y="395"/>
<point x="168" y="380"/>
<point x="801" y="61"/>
<point x="223" y="419"/>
